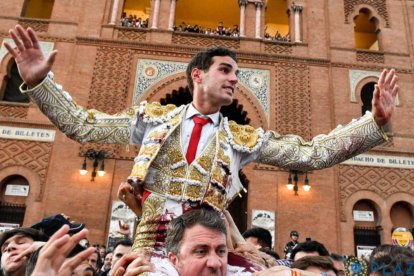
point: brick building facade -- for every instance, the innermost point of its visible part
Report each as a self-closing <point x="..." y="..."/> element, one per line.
<point x="315" y="78"/>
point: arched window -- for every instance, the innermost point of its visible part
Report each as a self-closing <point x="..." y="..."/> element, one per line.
<point x="366" y="228"/>
<point x="38" y="8"/>
<point x="136" y="13"/>
<point x="366" y="31"/>
<point x="277" y="21"/>
<point x="401" y="214"/>
<point x="11" y="92"/>
<point x="14" y="191"/>
<point x="208" y="17"/>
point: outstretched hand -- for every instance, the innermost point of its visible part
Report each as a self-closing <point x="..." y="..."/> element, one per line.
<point x="32" y="64"/>
<point x="383" y="101"/>
<point x="53" y="256"/>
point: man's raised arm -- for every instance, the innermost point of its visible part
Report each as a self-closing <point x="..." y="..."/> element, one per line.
<point x="293" y="152"/>
<point x="75" y="121"/>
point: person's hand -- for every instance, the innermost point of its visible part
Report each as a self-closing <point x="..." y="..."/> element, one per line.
<point x="132" y="264"/>
<point x="28" y="251"/>
<point x="126" y="195"/>
<point x="52" y="257"/>
<point x="250" y="252"/>
<point x="124" y="228"/>
<point x="383" y="100"/>
<point x="33" y="66"/>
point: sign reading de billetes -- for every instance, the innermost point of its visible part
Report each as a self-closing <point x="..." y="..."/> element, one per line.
<point x="32" y="134"/>
<point x="402" y="162"/>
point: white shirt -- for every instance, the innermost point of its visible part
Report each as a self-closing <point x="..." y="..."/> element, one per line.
<point x="208" y="131"/>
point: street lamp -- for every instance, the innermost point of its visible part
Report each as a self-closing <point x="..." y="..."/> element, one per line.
<point x="96" y="157"/>
<point x="293" y="186"/>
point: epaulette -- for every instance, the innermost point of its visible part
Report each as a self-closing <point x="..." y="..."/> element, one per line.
<point x="243" y="138"/>
<point x="156" y="113"/>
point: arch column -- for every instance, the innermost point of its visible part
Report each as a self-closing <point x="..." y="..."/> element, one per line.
<point x="172" y="15"/>
<point x="259" y="6"/>
<point x="242" y="5"/>
<point x="114" y="12"/>
<point x="297" y="10"/>
<point x="155" y="14"/>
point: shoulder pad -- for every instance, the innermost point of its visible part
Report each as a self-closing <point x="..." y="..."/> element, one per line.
<point x="244" y="137"/>
<point x="156" y="113"/>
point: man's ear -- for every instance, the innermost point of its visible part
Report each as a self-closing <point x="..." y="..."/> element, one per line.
<point x="196" y="75"/>
<point x="172" y="258"/>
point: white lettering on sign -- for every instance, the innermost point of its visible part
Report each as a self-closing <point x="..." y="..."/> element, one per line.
<point x="33" y="134"/>
<point x="381" y="161"/>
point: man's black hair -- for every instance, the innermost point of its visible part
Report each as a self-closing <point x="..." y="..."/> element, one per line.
<point x="34" y="234"/>
<point x="124" y="242"/>
<point x="310" y="246"/>
<point x="204" y="59"/>
<point x="263" y="236"/>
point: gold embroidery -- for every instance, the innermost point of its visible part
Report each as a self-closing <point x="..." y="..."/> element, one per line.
<point x="155" y="109"/>
<point x="215" y="198"/>
<point x="175" y="189"/>
<point x="158" y="134"/>
<point x="139" y="170"/>
<point x="147" y="229"/>
<point x="193" y="192"/>
<point x="244" y="135"/>
<point x="205" y="162"/>
<point x="179" y="172"/>
<point x="149" y="150"/>
<point x="196" y="175"/>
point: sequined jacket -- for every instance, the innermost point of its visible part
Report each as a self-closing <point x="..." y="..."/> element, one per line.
<point x="213" y="178"/>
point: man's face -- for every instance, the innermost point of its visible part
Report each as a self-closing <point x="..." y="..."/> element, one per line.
<point x="108" y="260"/>
<point x="93" y="260"/>
<point x="294" y="238"/>
<point x="119" y="251"/>
<point x="203" y="251"/>
<point x="102" y="252"/>
<point x="302" y="254"/>
<point x="10" y="249"/>
<point x="217" y="85"/>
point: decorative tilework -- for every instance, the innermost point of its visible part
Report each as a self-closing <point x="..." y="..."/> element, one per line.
<point x="149" y="72"/>
<point x="355" y="76"/>
<point x="47" y="47"/>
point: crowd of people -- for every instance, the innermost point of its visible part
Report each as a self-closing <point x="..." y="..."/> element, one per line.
<point x="219" y="30"/>
<point x="197" y="242"/>
<point x="132" y="21"/>
<point x="277" y="37"/>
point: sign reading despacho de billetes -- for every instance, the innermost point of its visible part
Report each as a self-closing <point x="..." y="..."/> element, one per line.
<point x="22" y="133"/>
<point x="401" y="162"/>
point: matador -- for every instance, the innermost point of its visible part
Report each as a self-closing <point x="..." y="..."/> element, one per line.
<point x="171" y="184"/>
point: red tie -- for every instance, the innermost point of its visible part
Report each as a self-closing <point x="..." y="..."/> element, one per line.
<point x="195" y="137"/>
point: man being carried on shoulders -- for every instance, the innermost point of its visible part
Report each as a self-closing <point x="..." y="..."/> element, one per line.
<point x="190" y="155"/>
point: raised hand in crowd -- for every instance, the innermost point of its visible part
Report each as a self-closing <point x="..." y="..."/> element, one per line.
<point x="53" y="256"/>
<point x="383" y="101"/>
<point x="32" y="64"/>
<point x="132" y="264"/>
